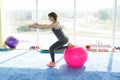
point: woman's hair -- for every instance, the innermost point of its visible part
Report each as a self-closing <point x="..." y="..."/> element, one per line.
<point x="54" y="15"/>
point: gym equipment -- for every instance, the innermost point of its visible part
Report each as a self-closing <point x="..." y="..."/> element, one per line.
<point x="34" y="47"/>
<point x="48" y="51"/>
<point x="75" y="57"/>
<point x="96" y="48"/>
<point x="4" y="50"/>
<point x="12" y="42"/>
<point x="117" y="48"/>
<point x="88" y="47"/>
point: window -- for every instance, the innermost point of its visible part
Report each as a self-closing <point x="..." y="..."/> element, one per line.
<point x="117" y="37"/>
<point x="94" y="22"/>
<point x="65" y="12"/>
<point x="17" y="16"/>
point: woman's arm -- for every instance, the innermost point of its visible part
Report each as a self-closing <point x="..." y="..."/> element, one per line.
<point x="43" y="26"/>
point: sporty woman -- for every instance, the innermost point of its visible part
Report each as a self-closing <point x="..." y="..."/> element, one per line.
<point x="57" y="30"/>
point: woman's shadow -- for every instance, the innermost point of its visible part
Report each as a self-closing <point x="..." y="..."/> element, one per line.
<point x="64" y="72"/>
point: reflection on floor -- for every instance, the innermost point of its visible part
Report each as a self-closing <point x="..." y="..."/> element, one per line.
<point x="31" y="65"/>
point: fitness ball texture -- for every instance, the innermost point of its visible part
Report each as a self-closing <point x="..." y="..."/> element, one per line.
<point x="75" y="57"/>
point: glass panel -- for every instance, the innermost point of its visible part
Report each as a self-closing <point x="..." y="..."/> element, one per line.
<point x="94" y="22"/>
<point x="117" y="41"/>
<point x="64" y="9"/>
<point x="18" y="14"/>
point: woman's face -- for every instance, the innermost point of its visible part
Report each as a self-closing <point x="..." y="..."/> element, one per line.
<point x="51" y="19"/>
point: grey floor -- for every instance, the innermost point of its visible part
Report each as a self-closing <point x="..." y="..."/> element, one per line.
<point x="31" y="65"/>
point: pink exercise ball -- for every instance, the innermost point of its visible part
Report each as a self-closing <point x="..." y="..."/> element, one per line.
<point x="75" y="57"/>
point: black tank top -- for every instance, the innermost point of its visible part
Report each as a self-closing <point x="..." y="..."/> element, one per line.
<point x="59" y="34"/>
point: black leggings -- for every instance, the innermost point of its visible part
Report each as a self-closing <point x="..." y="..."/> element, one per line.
<point x="56" y="46"/>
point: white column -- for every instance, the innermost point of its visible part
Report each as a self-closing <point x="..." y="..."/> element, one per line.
<point x="114" y="23"/>
<point x="74" y="22"/>
<point x="37" y="34"/>
<point x="0" y="28"/>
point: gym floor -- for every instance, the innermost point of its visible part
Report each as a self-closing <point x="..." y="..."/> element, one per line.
<point x="31" y="65"/>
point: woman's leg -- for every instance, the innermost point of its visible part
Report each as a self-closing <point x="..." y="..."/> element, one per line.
<point x="62" y="48"/>
<point x="57" y="45"/>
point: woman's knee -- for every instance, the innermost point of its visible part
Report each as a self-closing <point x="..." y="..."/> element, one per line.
<point x="67" y="40"/>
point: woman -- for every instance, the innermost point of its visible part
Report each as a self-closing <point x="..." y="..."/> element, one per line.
<point x="57" y="30"/>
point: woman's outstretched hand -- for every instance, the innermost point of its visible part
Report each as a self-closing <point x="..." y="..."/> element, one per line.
<point x="31" y="26"/>
<point x="34" y="25"/>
